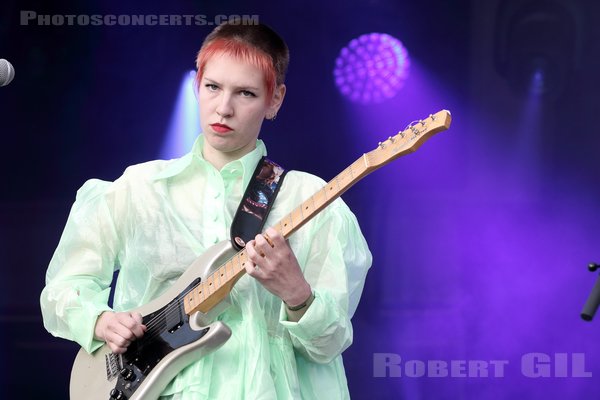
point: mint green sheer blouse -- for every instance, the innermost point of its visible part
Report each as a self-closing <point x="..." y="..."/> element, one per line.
<point x="154" y="220"/>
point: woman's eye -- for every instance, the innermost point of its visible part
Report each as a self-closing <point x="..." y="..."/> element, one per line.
<point x="211" y="86"/>
<point x="247" y="93"/>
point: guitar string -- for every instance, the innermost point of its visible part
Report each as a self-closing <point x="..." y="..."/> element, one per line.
<point x="175" y="306"/>
<point x="205" y="296"/>
<point x="156" y="323"/>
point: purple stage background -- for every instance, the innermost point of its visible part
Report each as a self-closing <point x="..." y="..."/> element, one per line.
<point x="480" y="239"/>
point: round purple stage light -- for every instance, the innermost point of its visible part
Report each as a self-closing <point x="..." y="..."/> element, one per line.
<point x="371" y="68"/>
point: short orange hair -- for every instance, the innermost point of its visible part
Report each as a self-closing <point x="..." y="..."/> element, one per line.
<point x="258" y="45"/>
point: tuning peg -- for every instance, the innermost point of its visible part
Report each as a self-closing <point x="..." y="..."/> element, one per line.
<point x="391" y="139"/>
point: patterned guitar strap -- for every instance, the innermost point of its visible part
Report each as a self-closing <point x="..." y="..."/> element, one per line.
<point x="257" y="201"/>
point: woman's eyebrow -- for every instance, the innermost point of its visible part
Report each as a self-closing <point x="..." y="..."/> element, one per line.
<point x="244" y="87"/>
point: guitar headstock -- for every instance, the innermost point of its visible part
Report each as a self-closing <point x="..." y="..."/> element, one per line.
<point x="409" y="140"/>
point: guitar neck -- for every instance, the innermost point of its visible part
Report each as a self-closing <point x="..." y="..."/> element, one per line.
<point x="217" y="286"/>
<point x="321" y="199"/>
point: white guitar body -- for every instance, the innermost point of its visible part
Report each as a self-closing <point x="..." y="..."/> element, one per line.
<point x="87" y="379"/>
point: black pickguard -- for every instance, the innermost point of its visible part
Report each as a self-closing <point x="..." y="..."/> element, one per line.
<point x="168" y="330"/>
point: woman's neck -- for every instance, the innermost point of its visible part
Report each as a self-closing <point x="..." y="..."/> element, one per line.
<point x="219" y="159"/>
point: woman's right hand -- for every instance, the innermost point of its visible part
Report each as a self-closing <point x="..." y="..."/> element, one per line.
<point x="119" y="329"/>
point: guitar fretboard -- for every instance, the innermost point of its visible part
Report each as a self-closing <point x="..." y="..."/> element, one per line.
<point x="216" y="286"/>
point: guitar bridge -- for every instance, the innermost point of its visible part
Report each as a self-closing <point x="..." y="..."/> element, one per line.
<point x="114" y="364"/>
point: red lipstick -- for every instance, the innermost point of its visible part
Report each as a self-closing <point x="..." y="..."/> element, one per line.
<point x="220" y="128"/>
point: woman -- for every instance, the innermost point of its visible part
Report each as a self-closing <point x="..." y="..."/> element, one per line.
<point x="290" y="314"/>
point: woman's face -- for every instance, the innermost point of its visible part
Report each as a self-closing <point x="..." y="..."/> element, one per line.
<point x="233" y="104"/>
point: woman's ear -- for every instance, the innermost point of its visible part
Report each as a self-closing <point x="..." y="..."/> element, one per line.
<point x="276" y="101"/>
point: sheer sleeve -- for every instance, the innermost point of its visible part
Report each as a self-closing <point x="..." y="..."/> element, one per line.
<point x="336" y="268"/>
<point x="81" y="270"/>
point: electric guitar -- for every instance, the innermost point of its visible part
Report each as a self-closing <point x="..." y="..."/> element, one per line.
<point x="179" y="328"/>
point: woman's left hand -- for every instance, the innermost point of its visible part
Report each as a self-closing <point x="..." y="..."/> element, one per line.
<point x="275" y="266"/>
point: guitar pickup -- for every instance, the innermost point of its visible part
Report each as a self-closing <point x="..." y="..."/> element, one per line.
<point x="173" y="329"/>
<point x="174" y="316"/>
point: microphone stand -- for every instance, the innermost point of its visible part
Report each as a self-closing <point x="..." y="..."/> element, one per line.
<point x="593" y="300"/>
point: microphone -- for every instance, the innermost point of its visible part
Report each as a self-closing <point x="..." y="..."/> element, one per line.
<point x="7" y="72"/>
<point x="593" y="300"/>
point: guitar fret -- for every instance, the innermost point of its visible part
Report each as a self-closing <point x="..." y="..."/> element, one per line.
<point x="298" y="214"/>
<point x="216" y="280"/>
<point x="321" y="198"/>
<point x="201" y="291"/>
<point x="221" y="275"/>
<point x="347" y="177"/>
<point x="235" y="261"/>
<point x="287" y="226"/>
<point x="210" y="287"/>
<point x="316" y="199"/>
<point x="305" y="210"/>
<point x="240" y="261"/>
<point x="206" y="293"/>
<point x="307" y="206"/>
<point x="365" y="158"/>
<point x="232" y="270"/>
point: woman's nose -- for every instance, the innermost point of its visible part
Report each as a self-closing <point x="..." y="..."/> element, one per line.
<point x="225" y="108"/>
